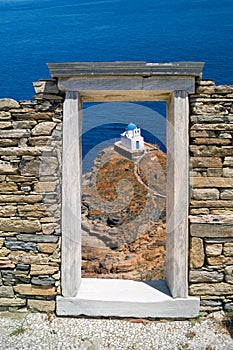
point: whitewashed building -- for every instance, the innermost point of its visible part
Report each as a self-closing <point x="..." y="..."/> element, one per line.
<point x="132" y="138"/>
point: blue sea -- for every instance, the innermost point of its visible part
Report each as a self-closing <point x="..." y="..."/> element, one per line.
<point x="34" y="32"/>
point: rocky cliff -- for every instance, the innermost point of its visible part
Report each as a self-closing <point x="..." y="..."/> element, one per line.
<point x="123" y="216"/>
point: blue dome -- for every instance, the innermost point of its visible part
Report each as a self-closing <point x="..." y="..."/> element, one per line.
<point x="131" y="126"/>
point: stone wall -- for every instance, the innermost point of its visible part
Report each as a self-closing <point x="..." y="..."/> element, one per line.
<point x="30" y="187"/>
<point x="211" y="204"/>
<point x="30" y="176"/>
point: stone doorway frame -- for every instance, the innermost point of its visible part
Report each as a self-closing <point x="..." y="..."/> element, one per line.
<point x="118" y="82"/>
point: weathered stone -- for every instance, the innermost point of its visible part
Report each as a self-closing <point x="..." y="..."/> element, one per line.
<point x="22" y="257"/>
<point x="48" y="166"/>
<point x="9" y="142"/>
<point x="228" y="172"/>
<point x="20" y="151"/>
<point x="30" y="168"/>
<point x="227" y="194"/>
<point x="43" y="187"/>
<point x="48" y="229"/>
<point x="29" y="114"/>
<point x="213" y="249"/>
<point x="214" y="172"/>
<point x="211" y="289"/>
<point x="39" y="141"/>
<point x="6" y="263"/>
<point x="7" y="168"/>
<point x="1" y="242"/>
<point x="46" y="247"/>
<point x="206" y="162"/>
<point x="46" y="87"/>
<point x="12" y="302"/>
<point x="32" y="198"/>
<point x="211" y="230"/>
<point x="5" y="115"/>
<point x="6" y="292"/>
<point x="8" y="187"/>
<point x="228" y="161"/>
<point x="207" y="193"/>
<point x="18" y="178"/>
<point x="229" y="274"/>
<point x="15" y="245"/>
<point x="28" y="226"/>
<point x="8" y="103"/>
<point x="43" y="128"/>
<point x="43" y="269"/>
<point x="28" y="289"/>
<point x="197" y="255"/>
<point x="5" y="125"/>
<point x="219" y="260"/>
<point x="211" y="204"/>
<point x="228" y="249"/>
<point x="211" y="151"/>
<point x="197" y="276"/>
<point x="211" y="141"/>
<point x="211" y="182"/>
<point x="37" y="238"/>
<point x="44" y="280"/>
<point x="32" y="210"/>
<point x="228" y="307"/>
<point x="201" y="133"/>
<point x="206" y="90"/>
<point x="41" y="305"/>
<point x="16" y="134"/>
<point x="225" y="135"/>
<point x="24" y="124"/>
<point x="211" y="303"/>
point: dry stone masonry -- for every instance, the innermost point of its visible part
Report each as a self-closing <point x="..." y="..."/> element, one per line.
<point x="30" y="164"/>
<point x="211" y="203"/>
<point x="30" y="198"/>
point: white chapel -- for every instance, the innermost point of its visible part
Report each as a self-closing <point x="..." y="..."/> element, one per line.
<point x="132" y="138"/>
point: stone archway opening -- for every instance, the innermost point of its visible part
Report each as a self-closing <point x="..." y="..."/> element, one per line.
<point x="127" y="81"/>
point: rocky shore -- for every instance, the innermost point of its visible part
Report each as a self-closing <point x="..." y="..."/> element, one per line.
<point x="123" y="216"/>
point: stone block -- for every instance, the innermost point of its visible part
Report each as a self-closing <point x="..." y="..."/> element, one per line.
<point x="8" y="103"/>
<point x="28" y="289"/>
<point x="41" y="305"/>
<point x="197" y="276"/>
<point x="206" y="162"/>
<point x="228" y="172"/>
<point x="46" y="87"/>
<point x="211" y="151"/>
<point x="227" y="194"/>
<point x="43" y="128"/>
<point x="213" y="249"/>
<point x="8" y="168"/>
<point x="5" y="115"/>
<point x="228" y="249"/>
<point x="44" y="280"/>
<point x="219" y="260"/>
<point x="38" y="238"/>
<point x="228" y="161"/>
<point x="30" y="168"/>
<point x="39" y="141"/>
<point x="228" y="307"/>
<point x="15" y="245"/>
<point x="44" y="187"/>
<point x="211" y="182"/>
<point x="211" y="230"/>
<point x="8" y="187"/>
<point x="43" y="269"/>
<point x="229" y="274"/>
<point x="198" y="211"/>
<point x="48" y="229"/>
<point x="10" y="198"/>
<point x="32" y="210"/>
<point x="211" y="141"/>
<point x="28" y="226"/>
<point x="211" y="289"/>
<point x="49" y="166"/>
<point x="12" y="302"/>
<point x="5" y="125"/>
<point x="197" y="255"/>
<point x="46" y="247"/>
<point x="205" y="193"/>
<point x="22" y="257"/>
<point x="14" y="134"/>
<point x="6" y="292"/>
<point x="1" y="242"/>
<point x="214" y="172"/>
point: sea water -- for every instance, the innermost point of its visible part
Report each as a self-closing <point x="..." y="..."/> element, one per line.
<point x="34" y="32"/>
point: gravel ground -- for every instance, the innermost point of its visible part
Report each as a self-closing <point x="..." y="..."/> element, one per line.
<point x="41" y="331"/>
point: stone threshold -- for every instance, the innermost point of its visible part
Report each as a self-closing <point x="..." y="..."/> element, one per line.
<point x="126" y="298"/>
